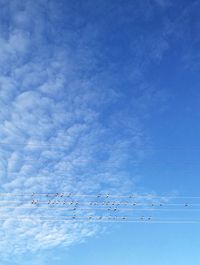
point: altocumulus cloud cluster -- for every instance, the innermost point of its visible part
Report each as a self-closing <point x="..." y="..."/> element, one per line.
<point x="65" y="123"/>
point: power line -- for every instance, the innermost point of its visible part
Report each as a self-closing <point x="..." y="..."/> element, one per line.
<point x="99" y="195"/>
<point x="102" y="203"/>
<point x="74" y="160"/>
<point x="84" y="207"/>
<point x="62" y="145"/>
<point x="100" y="208"/>
<point x="104" y="219"/>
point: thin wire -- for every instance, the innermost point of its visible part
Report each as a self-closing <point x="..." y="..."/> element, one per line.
<point x="93" y="160"/>
<point x="37" y="202"/>
<point x="96" y="217"/>
<point x="62" y="145"/>
<point x="63" y="172"/>
<point x="149" y="196"/>
<point x="76" y="217"/>
<point x="108" y="221"/>
<point x="102" y="219"/>
<point x="65" y="160"/>
<point x="102" y="208"/>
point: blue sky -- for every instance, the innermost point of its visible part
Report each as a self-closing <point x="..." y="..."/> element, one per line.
<point x="99" y="96"/>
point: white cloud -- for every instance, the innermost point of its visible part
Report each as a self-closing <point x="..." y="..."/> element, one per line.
<point x="52" y="124"/>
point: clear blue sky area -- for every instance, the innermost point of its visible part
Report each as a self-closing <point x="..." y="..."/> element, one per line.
<point x="99" y="96"/>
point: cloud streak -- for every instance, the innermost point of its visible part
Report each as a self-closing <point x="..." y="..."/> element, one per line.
<point x="64" y="126"/>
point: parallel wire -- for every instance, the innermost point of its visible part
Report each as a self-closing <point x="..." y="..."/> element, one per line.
<point x="78" y="205"/>
<point x="106" y="207"/>
<point x="131" y="196"/>
<point x="62" y="145"/>
<point x="57" y="209"/>
<point x="45" y="160"/>
<point x="135" y="204"/>
<point x="64" y="172"/>
<point x="101" y="219"/>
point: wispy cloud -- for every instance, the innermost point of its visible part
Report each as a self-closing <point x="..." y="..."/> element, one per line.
<point x="63" y="122"/>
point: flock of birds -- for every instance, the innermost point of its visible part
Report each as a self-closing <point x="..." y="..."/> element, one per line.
<point x="61" y="207"/>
